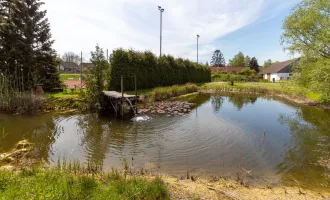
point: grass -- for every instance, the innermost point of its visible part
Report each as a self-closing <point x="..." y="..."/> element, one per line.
<point x="161" y="93"/>
<point x="69" y="76"/>
<point x="41" y="183"/>
<point x="285" y="87"/>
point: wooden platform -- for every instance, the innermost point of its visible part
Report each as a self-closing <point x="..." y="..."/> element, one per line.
<point x="117" y="95"/>
<point x="119" y="100"/>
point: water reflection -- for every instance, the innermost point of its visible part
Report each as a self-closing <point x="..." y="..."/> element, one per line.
<point x="273" y="137"/>
<point x="33" y="128"/>
<point x="241" y="100"/>
<point x="307" y="159"/>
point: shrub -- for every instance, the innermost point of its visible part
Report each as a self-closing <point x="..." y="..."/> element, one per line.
<point x="14" y="99"/>
<point x="152" y="71"/>
<point x="96" y="79"/>
<point x="161" y="93"/>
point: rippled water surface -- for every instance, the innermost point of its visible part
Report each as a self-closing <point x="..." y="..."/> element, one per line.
<point x="277" y="140"/>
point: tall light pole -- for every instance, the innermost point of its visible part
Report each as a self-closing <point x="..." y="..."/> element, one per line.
<point x="161" y="28"/>
<point x="197" y="47"/>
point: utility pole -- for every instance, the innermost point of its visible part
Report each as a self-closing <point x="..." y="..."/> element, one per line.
<point x="197" y="47"/>
<point x="161" y="28"/>
<point x="81" y="70"/>
<point x="108" y="55"/>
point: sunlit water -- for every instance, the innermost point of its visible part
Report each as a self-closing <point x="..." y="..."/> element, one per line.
<point x="278" y="141"/>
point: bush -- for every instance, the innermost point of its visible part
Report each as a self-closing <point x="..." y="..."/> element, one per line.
<point x="13" y="99"/>
<point x="161" y="93"/>
<point x="152" y="71"/>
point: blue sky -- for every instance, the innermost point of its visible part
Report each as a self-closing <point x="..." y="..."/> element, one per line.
<point x="251" y="26"/>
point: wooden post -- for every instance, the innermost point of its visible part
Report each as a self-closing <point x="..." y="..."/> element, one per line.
<point x="122" y="95"/>
<point x="136" y="109"/>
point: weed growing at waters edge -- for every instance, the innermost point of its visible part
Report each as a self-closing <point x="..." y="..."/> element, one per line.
<point x="161" y="93"/>
<point x="38" y="183"/>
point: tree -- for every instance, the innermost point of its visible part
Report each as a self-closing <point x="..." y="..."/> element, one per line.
<point x="307" y="32"/>
<point x="238" y="60"/>
<point x="96" y="78"/>
<point x="217" y="59"/>
<point x="267" y="63"/>
<point x="254" y="64"/>
<point x="26" y="43"/>
<point x="71" y="57"/>
<point x="207" y="64"/>
<point x="247" y="61"/>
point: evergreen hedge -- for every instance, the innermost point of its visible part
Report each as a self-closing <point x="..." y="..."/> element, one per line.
<point x="152" y="71"/>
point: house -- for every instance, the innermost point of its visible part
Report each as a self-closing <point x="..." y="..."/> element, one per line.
<point x="279" y="71"/>
<point x="69" y="67"/>
<point x="228" y="69"/>
<point x="85" y="66"/>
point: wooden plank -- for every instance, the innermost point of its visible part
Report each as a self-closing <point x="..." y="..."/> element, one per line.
<point x="117" y="95"/>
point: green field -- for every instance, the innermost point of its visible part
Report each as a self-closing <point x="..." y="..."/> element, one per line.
<point x="69" y="77"/>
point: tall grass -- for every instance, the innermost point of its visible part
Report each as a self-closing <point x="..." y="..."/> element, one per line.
<point x="38" y="183"/>
<point x="161" y="93"/>
<point x="13" y="97"/>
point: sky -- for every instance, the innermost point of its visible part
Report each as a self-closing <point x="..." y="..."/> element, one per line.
<point x="251" y="26"/>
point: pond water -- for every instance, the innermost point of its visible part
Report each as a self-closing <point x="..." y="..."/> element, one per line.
<point x="279" y="141"/>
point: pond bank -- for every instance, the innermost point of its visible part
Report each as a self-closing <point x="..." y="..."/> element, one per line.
<point x="282" y="90"/>
<point x="75" y="180"/>
<point x="69" y="184"/>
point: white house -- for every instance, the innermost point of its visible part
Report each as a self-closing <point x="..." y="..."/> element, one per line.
<point x="279" y="71"/>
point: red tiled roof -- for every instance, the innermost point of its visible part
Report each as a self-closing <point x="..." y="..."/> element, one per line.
<point x="230" y="69"/>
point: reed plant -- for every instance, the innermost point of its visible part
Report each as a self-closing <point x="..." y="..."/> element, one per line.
<point x="39" y="183"/>
<point x="161" y="93"/>
<point x="13" y="96"/>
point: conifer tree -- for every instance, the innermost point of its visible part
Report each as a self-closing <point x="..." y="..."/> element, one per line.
<point x="26" y="43"/>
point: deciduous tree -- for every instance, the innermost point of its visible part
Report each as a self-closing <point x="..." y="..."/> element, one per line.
<point x="307" y="32"/>
<point x="238" y="60"/>
<point x="267" y="63"/>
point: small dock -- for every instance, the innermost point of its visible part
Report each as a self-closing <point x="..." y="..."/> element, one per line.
<point x="122" y="103"/>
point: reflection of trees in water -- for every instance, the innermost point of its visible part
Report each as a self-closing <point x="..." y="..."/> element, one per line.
<point x="240" y="100"/>
<point x="96" y="137"/>
<point x="198" y="99"/>
<point x="217" y="102"/>
<point x="39" y="130"/>
<point x="308" y="156"/>
<point x="102" y="134"/>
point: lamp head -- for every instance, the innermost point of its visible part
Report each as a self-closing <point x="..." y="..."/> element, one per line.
<point x="159" y="8"/>
<point x="198" y="36"/>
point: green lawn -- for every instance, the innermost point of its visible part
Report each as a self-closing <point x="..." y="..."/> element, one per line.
<point x="65" y="184"/>
<point x="69" y="77"/>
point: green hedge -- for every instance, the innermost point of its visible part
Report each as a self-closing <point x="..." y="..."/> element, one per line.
<point x="152" y="71"/>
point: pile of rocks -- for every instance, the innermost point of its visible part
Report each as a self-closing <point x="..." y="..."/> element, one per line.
<point x="167" y="107"/>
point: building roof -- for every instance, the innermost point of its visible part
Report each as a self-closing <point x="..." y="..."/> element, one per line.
<point x="280" y="67"/>
<point x="223" y="69"/>
<point x="70" y="65"/>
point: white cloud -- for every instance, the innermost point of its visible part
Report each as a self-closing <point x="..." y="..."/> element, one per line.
<point x="77" y="25"/>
